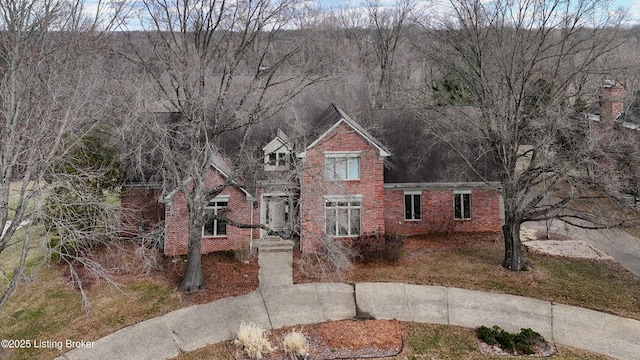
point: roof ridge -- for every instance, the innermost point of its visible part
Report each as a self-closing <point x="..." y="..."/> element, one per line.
<point x="361" y="129"/>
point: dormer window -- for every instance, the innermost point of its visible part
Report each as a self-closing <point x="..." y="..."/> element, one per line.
<point x="277" y="159"/>
<point x="277" y="153"/>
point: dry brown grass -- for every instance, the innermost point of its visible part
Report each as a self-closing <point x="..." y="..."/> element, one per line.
<point x="473" y="262"/>
<point x="47" y="308"/>
<point x="217" y="351"/>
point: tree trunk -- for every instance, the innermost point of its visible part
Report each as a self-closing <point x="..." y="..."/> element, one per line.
<point x="193" y="279"/>
<point x="512" y="252"/>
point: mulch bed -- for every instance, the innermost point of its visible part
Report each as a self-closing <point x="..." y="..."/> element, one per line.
<point x="224" y="275"/>
<point x="345" y="339"/>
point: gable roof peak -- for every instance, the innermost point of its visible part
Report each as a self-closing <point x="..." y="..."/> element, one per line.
<point x="339" y="116"/>
<point x="281" y="134"/>
<point x="281" y="140"/>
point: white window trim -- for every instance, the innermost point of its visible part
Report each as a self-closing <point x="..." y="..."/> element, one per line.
<point x="339" y="154"/>
<point x="219" y="198"/>
<point x="404" y="199"/>
<point x="344" y="198"/>
<point x="461" y="192"/>
<point x="343" y="155"/>
<point x="280" y="156"/>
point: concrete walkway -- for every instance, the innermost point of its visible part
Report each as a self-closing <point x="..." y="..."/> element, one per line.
<point x="278" y="303"/>
<point x="194" y="327"/>
<point x="275" y="259"/>
<point x="622" y="246"/>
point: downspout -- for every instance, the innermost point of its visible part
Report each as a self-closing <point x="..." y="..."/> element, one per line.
<point x="300" y="220"/>
<point x="251" y="236"/>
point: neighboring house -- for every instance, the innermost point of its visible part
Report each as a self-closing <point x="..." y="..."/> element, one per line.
<point x="345" y="183"/>
<point x="611" y="107"/>
<point x="615" y="122"/>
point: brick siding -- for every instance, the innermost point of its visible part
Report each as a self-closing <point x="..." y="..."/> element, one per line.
<point x="239" y="209"/>
<point x="381" y="209"/>
<point x="611" y="104"/>
<point x="438" y="212"/>
<point x="314" y="186"/>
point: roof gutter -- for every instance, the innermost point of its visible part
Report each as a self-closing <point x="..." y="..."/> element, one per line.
<point x="442" y="185"/>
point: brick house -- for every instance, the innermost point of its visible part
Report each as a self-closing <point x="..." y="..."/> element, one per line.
<point x="234" y="201"/>
<point x="344" y="183"/>
<point x="615" y="121"/>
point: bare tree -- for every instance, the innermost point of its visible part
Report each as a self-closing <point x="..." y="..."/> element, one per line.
<point x="374" y="34"/>
<point x="49" y="84"/>
<point x="389" y="26"/>
<point x="217" y="67"/>
<point x="351" y="24"/>
<point x="524" y="64"/>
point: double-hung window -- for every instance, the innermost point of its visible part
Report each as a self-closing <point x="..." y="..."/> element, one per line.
<point x="462" y="205"/>
<point x="342" y="166"/>
<point x="212" y="225"/>
<point x="412" y="205"/>
<point x="343" y="215"/>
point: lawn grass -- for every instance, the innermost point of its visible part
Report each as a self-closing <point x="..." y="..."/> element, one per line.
<point x="14" y="196"/>
<point x="47" y="308"/>
<point x="10" y="256"/>
<point x="429" y="341"/>
<point x="599" y="285"/>
<point x="218" y="351"/>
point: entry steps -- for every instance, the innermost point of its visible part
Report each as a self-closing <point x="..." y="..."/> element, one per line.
<point x="274" y="244"/>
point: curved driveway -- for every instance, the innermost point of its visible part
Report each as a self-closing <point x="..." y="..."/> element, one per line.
<point x="619" y="244"/>
<point x="274" y="307"/>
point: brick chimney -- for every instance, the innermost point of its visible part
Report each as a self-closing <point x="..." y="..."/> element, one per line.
<point x="611" y="101"/>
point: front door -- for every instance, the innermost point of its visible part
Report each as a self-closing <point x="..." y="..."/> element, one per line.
<point x="277" y="212"/>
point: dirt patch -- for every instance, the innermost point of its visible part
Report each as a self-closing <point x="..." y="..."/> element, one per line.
<point x="541" y="350"/>
<point x="536" y="241"/>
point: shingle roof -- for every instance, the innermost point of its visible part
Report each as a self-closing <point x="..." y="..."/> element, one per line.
<point x="335" y="115"/>
<point x="417" y="156"/>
